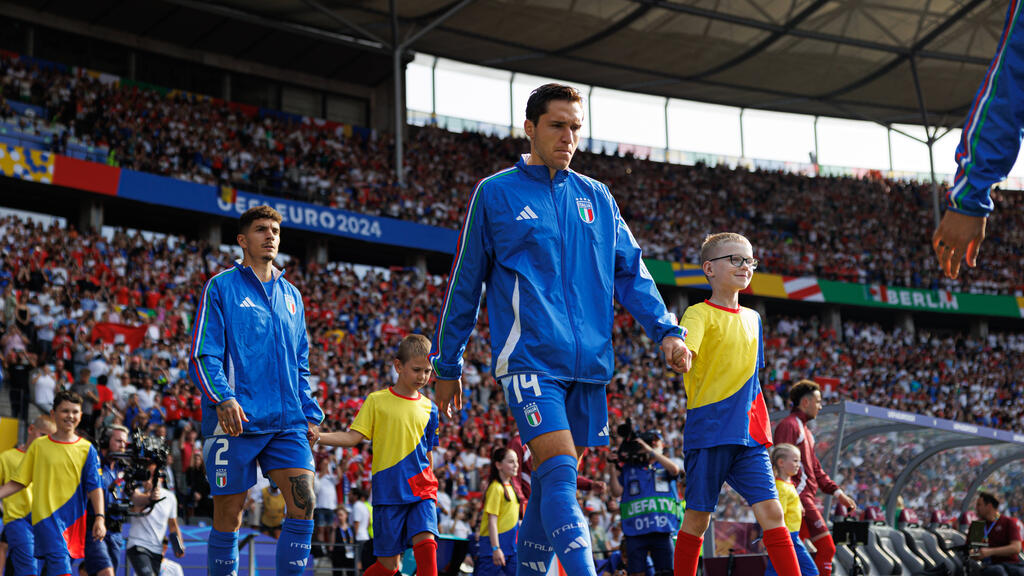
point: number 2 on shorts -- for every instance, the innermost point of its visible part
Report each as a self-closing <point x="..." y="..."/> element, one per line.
<point x="218" y="458"/>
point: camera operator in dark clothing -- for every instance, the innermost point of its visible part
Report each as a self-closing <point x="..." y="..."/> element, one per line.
<point x="1002" y="555"/>
<point x="649" y="503"/>
<point x="102" y="557"/>
<point x="126" y="463"/>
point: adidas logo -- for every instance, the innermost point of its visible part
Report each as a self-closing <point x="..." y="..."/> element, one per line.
<point x="299" y="562"/>
<point x="540" y="567"/>
<point x="527" y="214"/>
<point x="576" y="544"/>
<point x="604" y="431"/>
<point x="247" y="303"/>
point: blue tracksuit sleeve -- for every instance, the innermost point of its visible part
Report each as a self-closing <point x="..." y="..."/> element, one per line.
<point x="994" y="127"/>
<point x="206" y="362"/>
<point x="310" y="409"/>
<point x="635" y="288"/>
<point x="470" y="267"/>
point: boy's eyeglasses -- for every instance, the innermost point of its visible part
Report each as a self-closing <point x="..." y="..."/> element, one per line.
<point x="737" y="261"/>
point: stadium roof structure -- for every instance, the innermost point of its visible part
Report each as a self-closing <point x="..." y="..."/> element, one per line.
<point x="915" y="449"/>
<point x="861" y="59"/>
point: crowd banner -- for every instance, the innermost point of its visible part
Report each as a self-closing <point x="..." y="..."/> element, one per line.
<point x="163" y="191"/>
<point x="813" y="289"/>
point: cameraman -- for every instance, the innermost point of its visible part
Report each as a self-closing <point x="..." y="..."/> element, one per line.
<point x="102" y="557"/>
<point x="649" y="504"/>
<point x="158" y="509"/>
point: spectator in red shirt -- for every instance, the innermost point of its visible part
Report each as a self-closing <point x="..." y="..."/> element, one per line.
<point x="172" y="408"/>
<point x="103" y="393"/>
<point x="1002" y="555"/>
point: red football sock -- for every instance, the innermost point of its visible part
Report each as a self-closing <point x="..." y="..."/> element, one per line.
<point x="781" y="552"/>
<point x="687" y="554"/>
<point x="826" y="552"/>
<point x="378" y="569"/>
<point x="426" y="557"/>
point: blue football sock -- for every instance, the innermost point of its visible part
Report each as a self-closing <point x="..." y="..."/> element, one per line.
<point x="533" y="549"/>
<point x="222" y="553"/>
<point x="564" y="523"/>
<point x="293" y="546"/>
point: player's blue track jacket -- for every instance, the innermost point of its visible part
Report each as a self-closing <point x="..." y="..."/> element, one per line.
<point x="554" y="253"/>
<point x="253" y="349"/>
<point x="994" y="127"/>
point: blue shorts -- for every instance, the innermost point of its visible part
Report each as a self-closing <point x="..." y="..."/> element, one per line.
<point x="542" y="404"/>
<point x="658" y="544"/>
<point x="807" y="565"/>
<point x="54" y="564"/>
<point x="506" y="540"/>
<point x="485" y="566"/>
<point x="231" y="460"/>
<point x="746" y="468"/>
<point x="102" y="554"/>
<point x="394" y="525"/>
<point x="20" y="546"/>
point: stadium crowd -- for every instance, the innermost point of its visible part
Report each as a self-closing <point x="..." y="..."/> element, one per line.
<point x="871" y="230"/>
<point x="60" y="285"/>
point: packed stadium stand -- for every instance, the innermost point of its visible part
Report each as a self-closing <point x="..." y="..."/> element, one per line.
<point x="59" y="285"/>
<point x="855" y="230"/>
<point x="107" y="312"/>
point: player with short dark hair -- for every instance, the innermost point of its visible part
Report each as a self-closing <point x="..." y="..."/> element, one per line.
<point x="555" y="253"/>
<point x="250" y="216"/>
<point x="728" y="431"/>
<point x="805" y="397"/>
<point x="250" y="359"/>
<point x="64" y="471"/>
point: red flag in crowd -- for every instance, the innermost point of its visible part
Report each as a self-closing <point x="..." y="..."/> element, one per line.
<point x="115" y="333"/>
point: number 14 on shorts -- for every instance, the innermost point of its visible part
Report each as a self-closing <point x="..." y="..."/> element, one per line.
<point x="515" y="384"/>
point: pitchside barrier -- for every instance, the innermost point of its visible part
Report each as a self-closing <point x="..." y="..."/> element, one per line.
<point x="891" y="460"/>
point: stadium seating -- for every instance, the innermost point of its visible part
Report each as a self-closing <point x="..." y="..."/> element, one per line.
<point x="879" y="548"/>
<point x="925" y="543"/>
<point x="867" y="231"/>
<point x="895" y="542"/>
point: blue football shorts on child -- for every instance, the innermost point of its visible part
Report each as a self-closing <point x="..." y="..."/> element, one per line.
<point x="231" y="460"/>
<point x="394" y="525"/>
<point x="541" y="404"/>
<point x="747" y="469"/>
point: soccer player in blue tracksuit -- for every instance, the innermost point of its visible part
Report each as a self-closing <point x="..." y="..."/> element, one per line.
<point x="987" y="151"/>
<point x="250" y="359"/>
<point x="555" y="253"/>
